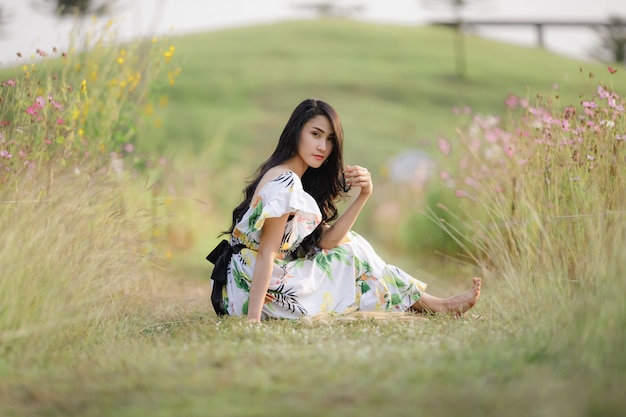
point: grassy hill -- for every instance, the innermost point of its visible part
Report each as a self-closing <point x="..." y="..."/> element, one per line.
<point x="394" y="86"/>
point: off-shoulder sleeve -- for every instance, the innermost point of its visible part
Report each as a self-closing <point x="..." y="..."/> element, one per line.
<point x="284" y="194"/>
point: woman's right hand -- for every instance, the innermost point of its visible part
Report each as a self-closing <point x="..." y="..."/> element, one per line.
<point x="358" y="176"/>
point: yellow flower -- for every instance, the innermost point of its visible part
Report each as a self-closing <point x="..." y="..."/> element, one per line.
<point x="120" y="60"/>
<point x="81" y="132"/>
<point x="83" y="87"/>
<point x="168" y="254"/>
<point x="169" y="54"/>
<point x="149" y="109"/>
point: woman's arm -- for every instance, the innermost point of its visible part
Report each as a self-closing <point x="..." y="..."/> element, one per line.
<point x="271" y="238"/>
<point x="356" y="176"/>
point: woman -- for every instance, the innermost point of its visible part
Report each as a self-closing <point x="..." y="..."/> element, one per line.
<point x="291" y="255"/>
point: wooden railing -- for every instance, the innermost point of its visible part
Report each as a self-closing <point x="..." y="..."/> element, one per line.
<point x="538" y="25"/>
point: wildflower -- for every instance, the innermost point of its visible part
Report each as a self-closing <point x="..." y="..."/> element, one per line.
<point x="60" y="121"/>
<point x="81" y="132"/>
<point x="5" y="123"/>
<point x="9" y="83"/>
<point x="444" y="146"/>
<point x="611" y="101"/>
<point x="34" y="109"/>
<point x="472" y="182"/>
<point x="511" y="101"/>
<point x="129" y="147"/>
<point x="618" y="137"/>
<point x="612" y="70"/>
<point x="83" y="87"/>
<point x="55" y="104"/>
<point x="120" y="60"/>
<point x="602" y="93"/>
<point x="5" y="154"/>
<point x="168" y="54"/>
<point x="461" y="194"/>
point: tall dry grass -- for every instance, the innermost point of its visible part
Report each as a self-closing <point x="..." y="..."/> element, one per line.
<point x="542" y="197"/>
<point x="77" y="253"/>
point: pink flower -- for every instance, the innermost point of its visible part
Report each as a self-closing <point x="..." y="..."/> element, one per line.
<point x="444" y="146"/>
<point x="5" y="154"/>
<point x="612" y="70"/>
<point x="461" y="194"/>
<point x="60" y="121"/>
<point x="602" y="93"/>
<point x="589" y="104"/>
<point x="471" y="182"/>
<point x="613" y="103"/>
<point x="129" y="147"/>
<point x="512" y="101"/>
<point x="33" y="110"/>
<point x="9" y="83"/>
<point x="55" y="104"/>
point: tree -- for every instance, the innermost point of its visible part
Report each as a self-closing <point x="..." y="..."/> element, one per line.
<point x="457" y="7"/>
<point x="71" y="8"/>
<point x="612" y="45"/>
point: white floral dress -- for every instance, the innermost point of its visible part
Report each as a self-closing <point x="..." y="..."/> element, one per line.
<point x="327" y="281"/>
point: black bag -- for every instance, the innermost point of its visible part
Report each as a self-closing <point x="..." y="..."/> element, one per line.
<point x="220" y="257"/>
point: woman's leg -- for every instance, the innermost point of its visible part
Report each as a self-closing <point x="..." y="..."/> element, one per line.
<point x="456" y="304"/>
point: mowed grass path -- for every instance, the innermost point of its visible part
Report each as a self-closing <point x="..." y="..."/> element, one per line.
<point x="162" y="352"/>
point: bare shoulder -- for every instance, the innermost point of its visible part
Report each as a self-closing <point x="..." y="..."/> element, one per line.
<point x="269" y="176"/>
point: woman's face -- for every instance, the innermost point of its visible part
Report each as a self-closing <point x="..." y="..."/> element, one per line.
<point x="316" y="141"/>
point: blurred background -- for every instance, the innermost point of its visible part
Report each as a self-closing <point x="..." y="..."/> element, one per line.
<point x="405" y="76"/>
<point x="29" y="24"/>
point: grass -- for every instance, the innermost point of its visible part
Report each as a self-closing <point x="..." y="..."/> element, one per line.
<point x="104" y="291"/>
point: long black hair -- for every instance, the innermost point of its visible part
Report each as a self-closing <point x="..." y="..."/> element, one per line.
<point x="325" y="184"/>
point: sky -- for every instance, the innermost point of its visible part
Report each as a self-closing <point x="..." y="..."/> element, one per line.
<point x="30" y="27"/>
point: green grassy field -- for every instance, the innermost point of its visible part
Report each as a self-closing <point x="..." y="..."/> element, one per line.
<point x="101" y="321"/>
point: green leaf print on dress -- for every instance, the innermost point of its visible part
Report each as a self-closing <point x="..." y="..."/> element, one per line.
<point x="240" y="278"/>
<point x="254" y="217"/>
<point x="324" y="259"/>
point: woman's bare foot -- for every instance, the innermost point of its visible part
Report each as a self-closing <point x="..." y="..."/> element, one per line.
<point x="456" y="304"/>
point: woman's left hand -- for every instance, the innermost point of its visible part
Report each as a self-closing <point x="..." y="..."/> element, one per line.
<point x="357" y="176"/>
